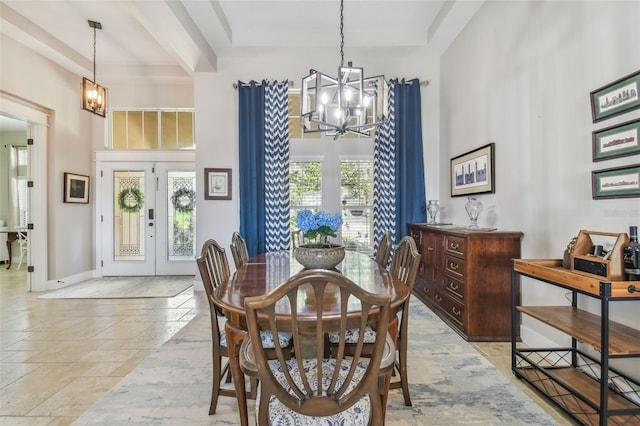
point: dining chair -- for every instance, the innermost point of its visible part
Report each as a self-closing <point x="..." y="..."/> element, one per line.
<point x="384" y="250"/>
<point x="23" y="243"/>
<point x="296" y="238"/>
<point x="239" y="250"/>
<point x="349" y="389"/>
<point x="214" y="269"/>
<point x="404" y="267"/>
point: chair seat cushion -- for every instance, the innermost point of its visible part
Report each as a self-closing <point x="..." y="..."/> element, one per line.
<point x="267" y="339"/>
<point x="353" y="335"/>
<point x="280" y="414"/>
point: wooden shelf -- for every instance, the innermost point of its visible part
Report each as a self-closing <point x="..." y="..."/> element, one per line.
<point x="585" y="327"/>
<point x="551" y="270"/>
<point x="589" y="388"/>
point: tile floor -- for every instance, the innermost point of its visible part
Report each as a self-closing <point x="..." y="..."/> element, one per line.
<point x="58" y="357"/>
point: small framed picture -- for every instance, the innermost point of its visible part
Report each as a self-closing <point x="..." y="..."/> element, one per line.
<point x="618" y="182"/>
<point x="76" y="188"/>
<point x="473" y="172"/>
<point x="616" y="141"/>
<point x="615" y="98"/>
<point x="217" y="184"/>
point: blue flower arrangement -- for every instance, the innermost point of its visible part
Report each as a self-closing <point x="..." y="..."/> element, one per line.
<point x="318" y="227"/>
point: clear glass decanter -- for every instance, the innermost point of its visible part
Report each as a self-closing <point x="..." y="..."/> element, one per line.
<point x="473" y="208"/>
<point x="432" y="209"/>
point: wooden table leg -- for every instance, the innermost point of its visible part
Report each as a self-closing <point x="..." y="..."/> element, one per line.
<point x="11" y="237"/>
<point x="235" y="336"/>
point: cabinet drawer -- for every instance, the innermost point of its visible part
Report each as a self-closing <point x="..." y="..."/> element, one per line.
<point x="454" y="286"/>
<point x="453" y="309"/>
<point x="454" y="245"/>
<point x="454" y="267"/>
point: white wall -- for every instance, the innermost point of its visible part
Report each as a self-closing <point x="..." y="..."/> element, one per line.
<point x="520" y="75"/>
<point x="27" y="75"/>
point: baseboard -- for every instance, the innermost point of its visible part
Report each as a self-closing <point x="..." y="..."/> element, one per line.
<point x="67" y="281"/>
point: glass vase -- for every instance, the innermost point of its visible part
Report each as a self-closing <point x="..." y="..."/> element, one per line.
<point x="473" y="208"/>
<point x="432" y="209"/>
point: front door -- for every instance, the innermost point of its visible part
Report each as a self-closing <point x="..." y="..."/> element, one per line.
<point x="148" y="218"/>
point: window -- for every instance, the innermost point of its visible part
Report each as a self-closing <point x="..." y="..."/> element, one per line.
<point x="356" y="194"/>
<point x="332" y="175"/>
<point x="152" y="129"/>
<point x="21" y="183"/>
<point x="305" y="185"/>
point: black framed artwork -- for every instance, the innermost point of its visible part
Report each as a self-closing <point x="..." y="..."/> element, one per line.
<point x="473" y="172"/>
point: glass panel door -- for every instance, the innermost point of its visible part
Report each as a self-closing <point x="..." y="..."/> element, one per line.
<point x="176" y="199"/>
<point x="129" y="219"/>
<point x="149" y="220"/>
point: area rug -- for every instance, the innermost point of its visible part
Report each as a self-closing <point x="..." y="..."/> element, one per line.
<point x="450" y="384"/>
<point x="123" y="288"/>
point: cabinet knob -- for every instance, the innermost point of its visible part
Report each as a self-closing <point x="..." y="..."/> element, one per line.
<point x="453" y="286"/>
<point x="454" y="246"/>
<point x="438" y="298"/>
<point x="455" y="311"/>
<point x="453" y="266"/>
<point x="430" y="248"/>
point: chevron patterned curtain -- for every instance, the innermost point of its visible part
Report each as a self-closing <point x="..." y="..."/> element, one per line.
<point x="264" y="165"/>
<point x="276" y="167"/>
<point x="384" y="182"/>
<point x="399" y="197"/>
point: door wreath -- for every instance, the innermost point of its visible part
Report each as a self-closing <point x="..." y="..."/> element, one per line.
<point x="183" y="200"/>
<point x="130" y="200"/>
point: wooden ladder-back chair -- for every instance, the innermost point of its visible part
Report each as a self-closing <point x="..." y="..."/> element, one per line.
<point x="384" y="250"/>
<point x="404" y="266"/>
<point x="239" y="250"/>
<point x="214" y="269"/>
<point x="351" y="387"/>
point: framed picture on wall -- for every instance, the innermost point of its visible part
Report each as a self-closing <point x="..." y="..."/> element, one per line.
<point x="76" y="188"/>
<point x="617" y="182"/>
<point x="616" y="141"/>
<point x="473" y="172"/>
<point x="217" y="184"/>
<point x="615" y="98"/>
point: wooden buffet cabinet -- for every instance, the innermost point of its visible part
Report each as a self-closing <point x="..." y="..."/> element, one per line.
<point x="465" y="278"/>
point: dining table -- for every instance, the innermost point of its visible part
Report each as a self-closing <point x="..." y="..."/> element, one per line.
<point x="265" y="272"/>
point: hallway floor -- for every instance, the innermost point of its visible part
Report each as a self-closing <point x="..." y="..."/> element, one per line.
<point x="58" y="357"/>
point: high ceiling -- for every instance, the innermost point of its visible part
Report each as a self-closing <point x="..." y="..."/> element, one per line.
<point x="171" y="39"/>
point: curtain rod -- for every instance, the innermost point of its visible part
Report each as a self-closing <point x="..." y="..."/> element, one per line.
<point x="423" y="83"/>
<point x="235" y="85"/>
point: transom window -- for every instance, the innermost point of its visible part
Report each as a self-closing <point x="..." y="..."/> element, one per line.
<point x="152" y="129"/>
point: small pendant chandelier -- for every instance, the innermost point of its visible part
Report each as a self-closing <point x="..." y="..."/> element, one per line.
<point x="349" y="103"/>
<point x="94" y="96"/>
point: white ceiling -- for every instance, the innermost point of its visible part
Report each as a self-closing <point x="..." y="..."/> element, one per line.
<point x="171" y="39"/>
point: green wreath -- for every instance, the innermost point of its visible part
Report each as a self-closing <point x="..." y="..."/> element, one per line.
<point x="183" y="200"/>
<point x="130" y="200"/>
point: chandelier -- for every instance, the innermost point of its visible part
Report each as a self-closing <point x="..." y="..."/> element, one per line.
<point x="350" y="103"/>
<point x="94" y="96"/>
